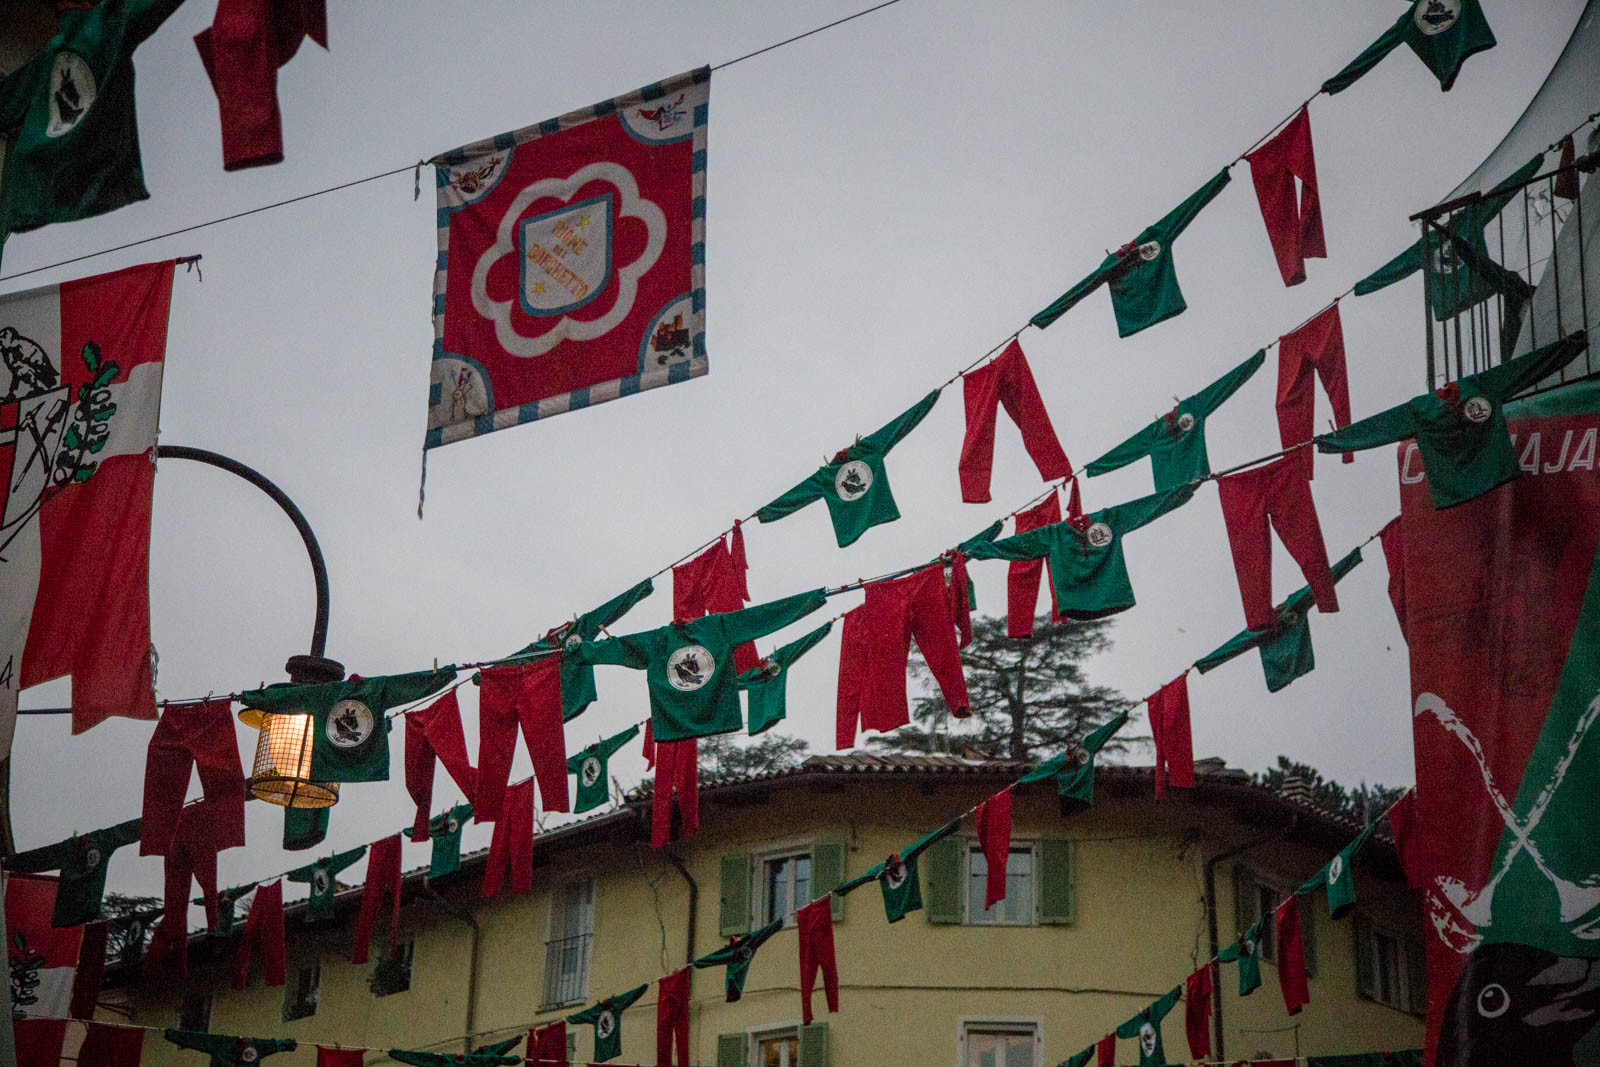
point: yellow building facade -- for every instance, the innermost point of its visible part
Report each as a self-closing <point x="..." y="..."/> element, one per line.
<point x="1106" y="910"/>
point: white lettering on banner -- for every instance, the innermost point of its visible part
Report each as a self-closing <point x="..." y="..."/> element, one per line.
<point x="1529" y="458"/>
<point x="1530" y="454"/>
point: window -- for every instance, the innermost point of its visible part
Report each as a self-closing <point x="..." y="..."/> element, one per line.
<point x="1256" y="901"/>
<point x="785" y="886"/>
<point x="785" y="1046"/>
<point x="194" y="1013"/>
<point x="1017" y="908"/>
<point x="300" y="994"/>
<point x="999" y="1044"/>
<point x="1390" y="969"/>
<point x="566" y="953"/>
<point x="393" y="972"/>
<point x="779" y="1048"/>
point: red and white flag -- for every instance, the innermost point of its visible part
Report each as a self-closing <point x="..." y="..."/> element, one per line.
<point x="43" y="958"/>
<point x="80" y="397"/>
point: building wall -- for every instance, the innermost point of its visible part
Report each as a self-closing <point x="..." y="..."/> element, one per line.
<point x="25" y="26"/>
<point x="1139" y="929"/>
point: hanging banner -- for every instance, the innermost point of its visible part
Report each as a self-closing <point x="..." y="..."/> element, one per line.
<point x="80" y="396"/>
<point x="43" y="959"/>
<point x="1502" y="603"/>
<point x="571" y="263"/>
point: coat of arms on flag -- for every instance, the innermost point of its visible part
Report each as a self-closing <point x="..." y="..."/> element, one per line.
<point x="571" y="264"/>
<point x="80" y="396"/>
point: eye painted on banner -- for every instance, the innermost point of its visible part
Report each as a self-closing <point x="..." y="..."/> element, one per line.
<point x="350" y="724"/>
<point x="1493" y="1001"/>
<point x="1436" y="16"/>
<point x="690" y="668"/>
<point x="853" y="480"/>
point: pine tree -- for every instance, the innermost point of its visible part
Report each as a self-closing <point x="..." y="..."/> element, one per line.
<point x="1030" y="696"/>
<point x="725" y="756"/>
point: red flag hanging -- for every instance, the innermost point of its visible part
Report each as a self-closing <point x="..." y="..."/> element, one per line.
<point x="994" y="836"/>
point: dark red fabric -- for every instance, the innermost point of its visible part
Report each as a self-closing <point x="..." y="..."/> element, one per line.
<point x="339" y="1057"/>
<point x="1022" y="580"/>
<point x="264" y="930"/>
<point x="672" y="1018"/>
<point x="815" y="922"/>
<point x="106" y="1045"/>
<point x="677" y="777"/>
<point x="1197" y="1012"/>
<point x="1169" y="725"/>
<point x="1106" y="1051"/>
<point x="1278" y="494"/>
<point x="191" y="856"/>
<point x="1006" y="380"/>
<point x="1294" y="223"/>
<point x="649" y="751"/>
<point x="1407" y="841"/>
<point x="547" y="1045"/>
<point x="435" y="732"/>
<point x="383" y="877"/>
<point x="529" y="694"/>
<point x="247" y="42"/>
<point x="874" y="646"/>
<point x="994" y="837"/>
<point x="188" y="738"/>
<point x="1394" y="554"/>
<point x="39" y="1041"/>
<point x="1317" y="348"/>
<point x="714" y="582"/>
<point x="961" y="598"/>
<point x="1291" y="957"/>
<point x="91" y="972"/>
<point x="512" y="843"/>
<point x="1566" y="183"/>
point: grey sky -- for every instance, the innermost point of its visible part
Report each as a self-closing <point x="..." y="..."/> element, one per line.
<point x="886" y="201"/>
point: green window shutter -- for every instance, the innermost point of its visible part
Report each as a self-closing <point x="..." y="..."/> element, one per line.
<point x="1308" y="931"/>
<point x="731" y="1051"/>
<point x="1244" y="901"/>
<point x="827" y="871"/>
<point x="814" y="1045"/>
<point x="941" y="871"/>
<point x="734" y="917"/>
<point x="1416" y="978"/>
<point x="1057" y="882"/>
<point x="1366" y="973"/>
<point x="572" y="1047"/>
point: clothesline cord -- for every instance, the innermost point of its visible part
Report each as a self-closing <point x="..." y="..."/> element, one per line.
<point x="803" y="36"/>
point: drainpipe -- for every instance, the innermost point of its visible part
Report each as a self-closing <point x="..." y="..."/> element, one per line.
<point x="694" y="907"/>
<point x="472" y="961"/>
<point x="1211" y="924"/>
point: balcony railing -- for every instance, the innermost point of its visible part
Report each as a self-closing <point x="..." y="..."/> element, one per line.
<point x="566" y="970"/>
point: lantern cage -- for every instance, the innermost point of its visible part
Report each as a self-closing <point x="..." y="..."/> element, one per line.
<point x="281" y="773"/>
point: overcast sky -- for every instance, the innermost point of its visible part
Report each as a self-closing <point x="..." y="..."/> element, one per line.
<point x="886" y="201"/>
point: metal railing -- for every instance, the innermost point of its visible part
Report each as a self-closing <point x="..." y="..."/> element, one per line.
<point x="1507" y="271"/>
<point x="566" y="970"/>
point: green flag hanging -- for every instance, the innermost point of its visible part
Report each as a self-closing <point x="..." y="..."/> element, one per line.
<point x="591" y="765"/>
<point x="1443" y="33"/>
<point x="606" y="1018"/>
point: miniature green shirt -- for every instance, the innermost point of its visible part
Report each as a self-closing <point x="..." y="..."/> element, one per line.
<point x="1176" y="442"/>
<point x="82" y="861"/>
<point x="1146" y="1026"/>
<point x="1443" y="33"/>
<point x="1286" y="648"/>
<point x="1338" y="876"/>
<point x="444" y="830"/>
<point x="484" y="1056"/>
<point x="689" y="665"/>
<point x="606" y="1018"/>
<point x="1246" y="952"/>
<point x="766" y="686"/>
<point x="1073" y="769"/>
<point x="854" y="485"/>
<point x="1141" y="275"/>
<point x="227" y="907"/>
<point x="304" y="828"/>
<point x="897" y="876"/>
<point x="323" y="877"/>
<point x="350" y="732"/>
<point x="68" y="115"/>
<point x="1461" y="429"/>
<point x="1087" y="568"/>
<point x="738" y="955"/>
<point x="577" y="678"/>
<point x="591" y="766"/>
<point x="226" y="1050"/>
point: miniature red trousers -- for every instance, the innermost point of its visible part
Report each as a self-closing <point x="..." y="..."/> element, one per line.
<point x="1291" y="957"/>
<point x="512" y="843"/>
<point x="1169" y="725"/>
<point x="672" y="1018"/>
<point x="111" y="1046"/>
<point x="994" y="837"/>
<point x="1197" y="1012"/>
<point x="432" y="733"/>
<point x="1294" y="224"/>
<point x="529" y="694"/>
<point x="190" y="856"/>
<point x="960" y="588"/>
<point x="340" y="1057"/>
<point x="247" y="42"/>
<point x="714" y="582"/>
<point x="1277" y="493"/>
<point x="263" y="930"/>
<point x="815" y="922"/>
<point x="677" y="777"/>
<point x="1317" y="348"/>
<point x="1006" y="380"/>
<point x="547" y="1045"/>
<point x="1394" y="554"/>
<point x="1106" y="1051"/>
<point x="188" y="738"/>
<point x="875" y="644"/>
<point x="1022" y="580"/>
<point x="383" y="877"/>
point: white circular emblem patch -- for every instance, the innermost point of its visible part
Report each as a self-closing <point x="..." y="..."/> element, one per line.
<point x="136" y="931"/>
<point x="853" y="480"/>
<point x="1477" y="409"/>
<point x="249" y="1054"/>
<point x="1149" y="250"/>
<point x="1185" y="422"/>
<point x="1290" y="618"/>
<point x="1080" y="756"/>
<point x="319" y="882"/>
<point x="1099" y="535"/>
<point x="1335" y="868"/>
<point x="91" y="858"/>
<point x="71" y="93"/>
<point x="894" y="872"/>
<point x="605" y="1025"/>
<point x="573" y="641"/>
<point x="1147" y="1039"/>
<point x="590" y="774"/>
<point x="690" y="668"/>
<point x="349" y="724"/>
<point x="1248" y="946"/>
<point x="1436" y="16"/>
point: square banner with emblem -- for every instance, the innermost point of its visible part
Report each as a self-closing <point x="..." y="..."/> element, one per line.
<point x="571" y="264"/>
